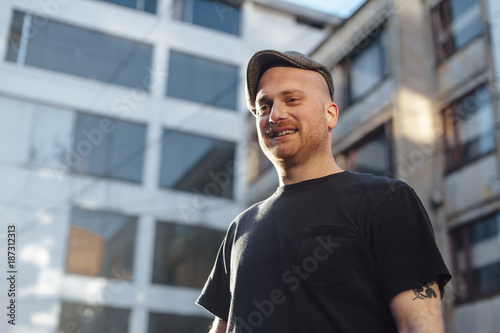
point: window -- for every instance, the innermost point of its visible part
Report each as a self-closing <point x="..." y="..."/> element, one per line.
<point x="202" y="80"/>
<point x="371" y="155"/>
<point x="214" y="14"/>
<point x="96" y="319"/>
<point x="184" y="254"/>
<point x="87" y="143"/>
<point x="454" y="24"/>
<point x="196" y="163"/>
<point x="468" y="129"/>
<point x="52" y="135"/>
<point x="476" y="256"/>
<point x="101" y="244"/>
<point x="169" y="323"/>
<point x="365" y="67"/>
<point x="115" y="150"/>
<point x="47" y="44"/>
<point x="144" y="5"/>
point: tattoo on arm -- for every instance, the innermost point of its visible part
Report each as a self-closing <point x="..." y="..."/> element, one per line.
<point x="425" y="292"/>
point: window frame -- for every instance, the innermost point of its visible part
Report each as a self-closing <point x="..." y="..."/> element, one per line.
<point x="66" y="157"/>
<point x="385" y="130"/>
<point x="103" y="214"/>
<point x="450" y="116"/>
<point x="109" y="165"/>
<point x="347" y="63"/>
<point x="160" y="273"/>
<point x="462" y="233"/>
<point x="218" y="96"/>
<point x="179" y="13"/>
<point x="440" y="15"/>
<point x="200" y="189"/>
<point x="20" y="43"/>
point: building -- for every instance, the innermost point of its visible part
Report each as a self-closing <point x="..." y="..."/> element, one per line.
<point x="417" y="86"/>
<point x="123" y="152"/>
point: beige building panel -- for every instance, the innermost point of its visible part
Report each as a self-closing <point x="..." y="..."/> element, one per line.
<point x="360" y="116"/>
<point x="465" y="65"/>
<point x="478" y="317"/>
<point x="471" y="185"/>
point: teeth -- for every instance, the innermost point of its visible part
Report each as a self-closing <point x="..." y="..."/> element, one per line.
<point x="285" y="132"/>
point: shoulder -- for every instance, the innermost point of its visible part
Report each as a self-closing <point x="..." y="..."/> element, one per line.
<point x="257" y="212"/>
<point x="376" y="185"/>
<point x="369" y="193"/>
<point x="248" y="214"/>
<point x="250" y="211"/>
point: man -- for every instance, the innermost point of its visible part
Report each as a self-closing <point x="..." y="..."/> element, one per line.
<point x="330" y="250"/>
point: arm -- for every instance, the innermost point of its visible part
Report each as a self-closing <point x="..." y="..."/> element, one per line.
<point x="418" y="310"/>
<point x="218" y="326"/>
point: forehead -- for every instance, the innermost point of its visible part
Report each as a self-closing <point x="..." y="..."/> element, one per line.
<point x="285" y="78"/>
<point x="286" y="73"/>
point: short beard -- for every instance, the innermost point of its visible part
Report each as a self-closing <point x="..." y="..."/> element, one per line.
<point x="284" y="164"/>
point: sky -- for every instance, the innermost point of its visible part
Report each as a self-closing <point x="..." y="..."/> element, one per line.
<point x="342" y="8"/>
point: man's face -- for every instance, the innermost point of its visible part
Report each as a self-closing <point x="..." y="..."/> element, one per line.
<point x="294" y="115"/>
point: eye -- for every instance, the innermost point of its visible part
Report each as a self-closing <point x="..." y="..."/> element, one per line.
<point x="262" y="109"/>
<point x="292" y="100"/>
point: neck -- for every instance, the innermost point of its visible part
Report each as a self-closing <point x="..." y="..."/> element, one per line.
<point x="290" y="173"/>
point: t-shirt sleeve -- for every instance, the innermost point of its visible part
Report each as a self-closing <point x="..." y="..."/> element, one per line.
<point x="216" y="296"/>
<point x="405" y="252"/>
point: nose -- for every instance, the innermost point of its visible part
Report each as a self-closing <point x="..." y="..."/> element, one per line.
<point x="277" y="113"/>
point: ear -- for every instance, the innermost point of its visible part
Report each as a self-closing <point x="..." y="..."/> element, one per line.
<point x="332" y="114"/>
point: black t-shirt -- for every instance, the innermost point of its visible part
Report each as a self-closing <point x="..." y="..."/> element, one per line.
<point x="324" y="255"/>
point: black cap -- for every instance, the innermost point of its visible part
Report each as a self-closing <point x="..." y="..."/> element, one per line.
<point x="265" y="59"/>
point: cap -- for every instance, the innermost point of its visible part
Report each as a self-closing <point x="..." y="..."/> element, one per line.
<point x="265" y="59"/>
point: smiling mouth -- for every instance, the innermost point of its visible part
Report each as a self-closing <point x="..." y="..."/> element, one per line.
<point x="283" y="133"/>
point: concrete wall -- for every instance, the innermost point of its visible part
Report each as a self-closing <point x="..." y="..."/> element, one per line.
<point x="472" y="185"/>
<point x="478" y="317"/>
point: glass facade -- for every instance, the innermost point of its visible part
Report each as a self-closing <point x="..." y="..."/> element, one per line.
<point x="101" y="244"/>
<point x="84" y="318"/>
<point x="219" y="15"/>
<point x="371" y="155"/>
<point x="86" y="143"/>
<point x="201" y="80"/>
<point x="455" y="23"/>
<point x="77" y="51"/>
<point x="197" y="164"/>
<point x="184" y="254"/>
<point x="109" y="148"/>
<point x="365" y="67"/>
<point x="469" y="128"/>
<point x="476" y="256"/>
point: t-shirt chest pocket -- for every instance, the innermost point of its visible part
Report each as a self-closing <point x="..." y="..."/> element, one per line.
<point x="325" y="253"/>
